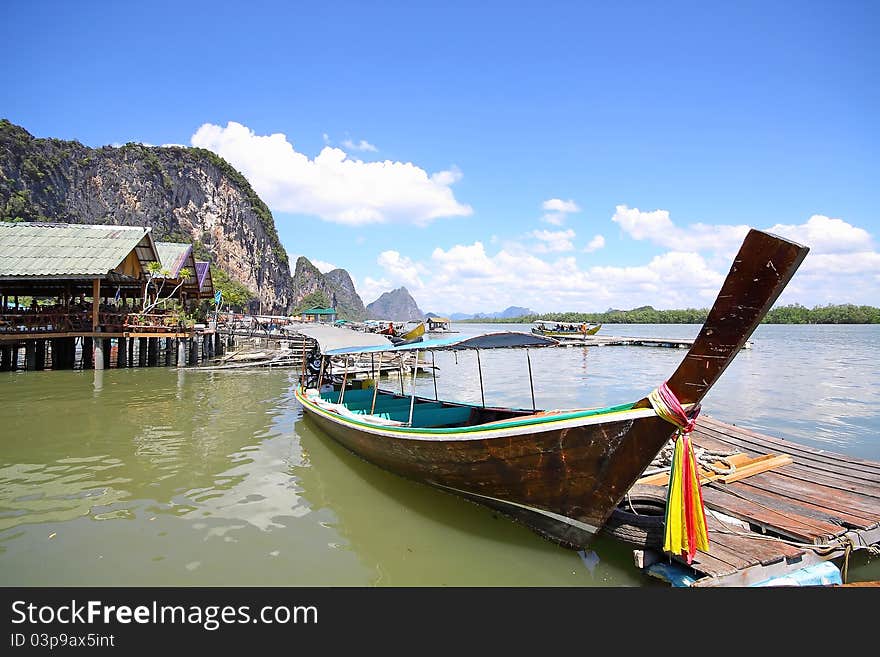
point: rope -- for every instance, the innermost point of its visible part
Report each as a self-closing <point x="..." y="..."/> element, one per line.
<point x="667" y="406"/>
<point x="706" y="458"/>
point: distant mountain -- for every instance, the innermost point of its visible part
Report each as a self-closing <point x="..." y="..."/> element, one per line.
<point x="396" y="305"/>
<point x="508" y="313"/>
<point x="335" y="285"/>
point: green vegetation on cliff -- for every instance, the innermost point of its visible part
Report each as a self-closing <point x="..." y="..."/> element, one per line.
<point x="791" y="314"/>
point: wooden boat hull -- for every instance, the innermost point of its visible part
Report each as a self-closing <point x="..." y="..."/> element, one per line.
<point x="560" y="472"/>
<point x="561" y="478"/>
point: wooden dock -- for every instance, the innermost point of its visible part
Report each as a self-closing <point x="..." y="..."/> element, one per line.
<point x="581" y="340"/>
<point x="817" y="507"/>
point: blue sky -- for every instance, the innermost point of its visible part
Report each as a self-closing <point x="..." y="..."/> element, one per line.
<point x="564" y="156"/>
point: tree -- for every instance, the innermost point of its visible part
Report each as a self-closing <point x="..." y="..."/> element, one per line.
<point x="235" y="295"/>
<point x="314" y="300"/>
<point x="156" y="273"/>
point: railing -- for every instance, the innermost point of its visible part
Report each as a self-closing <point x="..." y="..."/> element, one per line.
<point x="80" y="321"/>
<point x="154" y="323"/>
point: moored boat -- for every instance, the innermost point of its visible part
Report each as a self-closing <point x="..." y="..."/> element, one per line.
<point x="561" y="472"/>
<point x="564" y="329"/>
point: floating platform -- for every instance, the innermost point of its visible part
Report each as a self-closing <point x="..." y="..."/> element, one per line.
<point x="781" y="518"/>
<point x="619" y="341"/>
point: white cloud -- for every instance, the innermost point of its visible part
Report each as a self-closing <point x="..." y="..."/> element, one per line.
<point x="324" y="267"/>
<point x="826" y="235"/>
<point x="373" y="288"/>
<point x="332" y="186"/>
<point x="558" y="211"/>
<point x="598" y="242"/>
<point x="842" y="267"/>
<point x="362" y="145"/>
<point x="658" y="228"/>
<point x="553" y="241"/>
<point x="401" y="268"/>
<point x="321" y="265"/>
<point x="558" y="205"/>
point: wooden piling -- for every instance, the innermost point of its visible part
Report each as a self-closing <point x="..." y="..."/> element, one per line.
<point x="142" y="352"/>
<point x="153" y="351"/>
<point x="41" y="355"/>
<point x="87" y="355"/>
<point x="99" y="353"/>
<point x="30" y="355"/>
<point x="121" y="352"/>
<point x="181" y="352"/>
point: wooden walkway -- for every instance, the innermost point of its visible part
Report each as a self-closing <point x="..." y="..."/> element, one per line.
<point x="578" y="340"/>
<point x="799" y="514"/>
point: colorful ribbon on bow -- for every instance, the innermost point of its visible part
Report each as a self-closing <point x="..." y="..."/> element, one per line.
<point x="685" y="515"/>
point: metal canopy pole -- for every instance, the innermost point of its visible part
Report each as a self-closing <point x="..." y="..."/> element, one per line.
<point x="302" y="379"/>
<point x="412" y="398"/>
<point x="434" y="371"/>
<point x="344" y="379"/>
<point x="321" y="373"/>
<point x="375" y="392"/>
<point x="531" y="384"/>
<point x="400" y="374"/>
<point x="480" y="370"/>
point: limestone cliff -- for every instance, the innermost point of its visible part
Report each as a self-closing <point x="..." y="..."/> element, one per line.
<point x="185" y="194"/>
<point x="397" y="305"/>
<point x="336" y="286"/>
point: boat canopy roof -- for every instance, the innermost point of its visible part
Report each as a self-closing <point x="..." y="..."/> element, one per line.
<point x="330" y="337"/>
<point x="338" y="340"/>
<point x="500" y="340"/>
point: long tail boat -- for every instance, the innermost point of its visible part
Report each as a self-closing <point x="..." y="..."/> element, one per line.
<point x="564" y="329"/>
<point x="561" y="473"/>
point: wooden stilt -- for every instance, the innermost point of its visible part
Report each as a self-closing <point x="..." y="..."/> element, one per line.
<point x="122" y="352"/>
<point x="41" y="355"/>
<point x="87" y="354"/>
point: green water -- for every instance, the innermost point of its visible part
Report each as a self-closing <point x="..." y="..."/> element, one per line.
<point x="159" y="476"/>
<point x="155" y="476"/>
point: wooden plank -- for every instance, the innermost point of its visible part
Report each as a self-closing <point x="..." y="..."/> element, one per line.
<point x="817" y="494"/>
<point x="756" y="466"/>
<point x="840" y="515"/>
<point x="797" y="527"/>
<point x="830" y="468"/>
<point x="838" y="482"/>
<point x="769" y="443"/>
<point x="784" y="504"/>
<point x="744" y="466"/>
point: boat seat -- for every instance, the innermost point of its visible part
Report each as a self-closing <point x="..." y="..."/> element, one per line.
<point x="382" y="403"/>
<point x="401" y="413"/>
<point x="441" y="417"/>
<point x="351" y="394"/>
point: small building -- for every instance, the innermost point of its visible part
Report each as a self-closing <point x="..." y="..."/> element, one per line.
<point x="206" y="283"/>
<point x="176" y="257"/>
<point x="437" y="324"/>
<point x="319" y="315"/>
<point x="84" y="290"/>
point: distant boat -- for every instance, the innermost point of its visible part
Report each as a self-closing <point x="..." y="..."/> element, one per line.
<point x="439" y="325"/>
<point x="560" y="472"/>
<point x="564" y="329"/>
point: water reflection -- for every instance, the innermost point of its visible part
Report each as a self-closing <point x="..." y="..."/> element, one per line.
<point x="160" y="476"/>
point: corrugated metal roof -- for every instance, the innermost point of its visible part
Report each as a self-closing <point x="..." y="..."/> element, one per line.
<point x="206" y="283"/>
<point x="173" y="256"/>
<point x="66" y="250"/>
